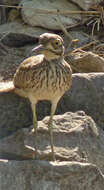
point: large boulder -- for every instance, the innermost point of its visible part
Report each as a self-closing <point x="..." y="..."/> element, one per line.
<point x="18" y="27"/>
<point x="76" y="138"/>
<point x="86" y="4"/>
<point x="79" y="150"/>
<point x="11" y="2"/>
<point x="32" y="16"/>
<point x="36" y="175"/>
<point x="87" y="93"/>
<point x="85" y="62"/>
<point x="14" y="113"/>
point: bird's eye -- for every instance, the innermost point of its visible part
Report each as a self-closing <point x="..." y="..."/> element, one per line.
<point x="57" y="43"/>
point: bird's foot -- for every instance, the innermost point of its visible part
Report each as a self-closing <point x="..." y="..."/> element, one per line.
<point x="53" y="156"/>
<point x="36" y="154"/>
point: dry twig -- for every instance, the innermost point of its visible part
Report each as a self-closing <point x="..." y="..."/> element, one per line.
<point x="54" y="11"/>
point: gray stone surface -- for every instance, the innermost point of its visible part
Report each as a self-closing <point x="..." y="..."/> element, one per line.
<point x="12" y="147"/>
<point x="11" y="2"/>
<point x="19" y="27"/>
<point x="85" y="62"/>
<point x="49" y="21"/>
<point x="86" y="4"/>
<point x="76" y="138"/>
<point x="87" y="94"/>
<point x="36" y="175"/>
<point x="14" y="113"/>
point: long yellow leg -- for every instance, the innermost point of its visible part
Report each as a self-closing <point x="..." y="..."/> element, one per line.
<point x="53" y="109"/>
<point x="35" y="126"/>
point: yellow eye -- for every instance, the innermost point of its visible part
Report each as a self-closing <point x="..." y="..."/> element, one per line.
<point x="57" y="43"/>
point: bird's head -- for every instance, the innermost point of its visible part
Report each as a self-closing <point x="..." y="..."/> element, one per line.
<point x="51" y="45"/>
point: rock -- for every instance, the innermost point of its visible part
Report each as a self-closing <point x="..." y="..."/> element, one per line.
<point x="87" y="94"/>
<point x="79" y="148"/>
<point x="44" y="175"/>
<point x="76" y="138"/>
<point x="14" y="14"/>
<point x="12" y="147"/>
<point x="19" y="27"/>
<point x="87" y="62"/>
<point x="32" y="17"/>
<point x="15" y="113"/>
<point x="3" y="15"/>
<point x="18" y="40"/>
<point x="10" y="60"/>
<point x="3" y="50"/>
<point x="86" y="4"/>
<point x="81" y="36"/>
<point x="11" y="2"/>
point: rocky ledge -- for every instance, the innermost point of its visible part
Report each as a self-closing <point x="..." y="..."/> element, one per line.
<point x="79" y="151"/>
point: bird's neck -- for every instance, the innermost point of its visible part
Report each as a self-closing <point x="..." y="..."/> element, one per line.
<point x="51" y="56"/>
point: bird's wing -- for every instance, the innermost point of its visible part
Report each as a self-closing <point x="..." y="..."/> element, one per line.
<point x="28" y="70"/>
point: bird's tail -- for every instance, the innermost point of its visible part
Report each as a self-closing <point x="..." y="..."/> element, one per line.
<point x="6" y="87"/>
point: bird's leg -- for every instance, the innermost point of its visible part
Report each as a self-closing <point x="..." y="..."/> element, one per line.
<point x="35" y="126"/>
<point x="53" y="108"/>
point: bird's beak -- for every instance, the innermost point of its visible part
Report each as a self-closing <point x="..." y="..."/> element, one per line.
<point x="38" y="49"/>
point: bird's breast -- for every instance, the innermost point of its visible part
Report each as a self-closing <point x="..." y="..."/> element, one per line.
<point x="54" y="79"/>
<point x="43" y="80"/>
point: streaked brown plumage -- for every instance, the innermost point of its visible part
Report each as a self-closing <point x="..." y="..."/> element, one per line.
<point x="46" y="76"/>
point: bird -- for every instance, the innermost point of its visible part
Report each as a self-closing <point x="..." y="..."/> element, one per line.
<point x="44" y="76"/>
